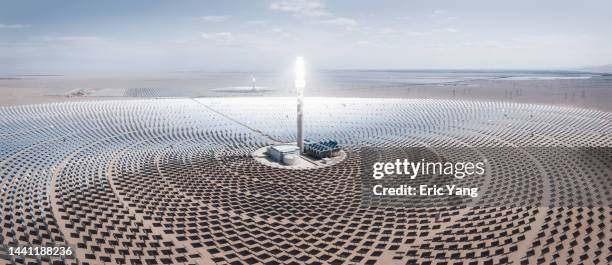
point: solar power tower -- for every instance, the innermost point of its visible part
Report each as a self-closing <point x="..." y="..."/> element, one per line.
<point x="300" y="83"/>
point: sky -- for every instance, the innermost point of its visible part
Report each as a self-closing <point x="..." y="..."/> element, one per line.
<point x="55" y="37"/>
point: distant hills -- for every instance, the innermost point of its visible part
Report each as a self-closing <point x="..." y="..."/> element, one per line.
<point x="596" y="69"/>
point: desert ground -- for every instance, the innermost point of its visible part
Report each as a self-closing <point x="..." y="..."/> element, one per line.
<point x="588" y="91"/>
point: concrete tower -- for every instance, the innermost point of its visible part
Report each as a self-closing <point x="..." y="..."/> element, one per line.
<point x="300" y="83"/>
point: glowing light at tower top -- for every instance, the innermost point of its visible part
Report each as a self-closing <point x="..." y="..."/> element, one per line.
<point x="300" y="83"/>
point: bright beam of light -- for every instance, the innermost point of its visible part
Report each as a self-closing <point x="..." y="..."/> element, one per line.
<point x="300" y="83"/>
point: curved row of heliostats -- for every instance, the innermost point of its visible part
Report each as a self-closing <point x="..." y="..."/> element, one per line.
<point x="170" y="181"/>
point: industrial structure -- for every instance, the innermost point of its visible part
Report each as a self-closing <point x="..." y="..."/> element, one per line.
<point x="300" y="84"/>
<point x="285" y="154"/>
<point x="289" y="154"/>
<point x="322" y="149"/>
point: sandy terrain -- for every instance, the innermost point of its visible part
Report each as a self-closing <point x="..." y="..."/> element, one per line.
<point x="592" y="93"/>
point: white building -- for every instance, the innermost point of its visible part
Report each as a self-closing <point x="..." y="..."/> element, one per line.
<point x="285" y="154"/>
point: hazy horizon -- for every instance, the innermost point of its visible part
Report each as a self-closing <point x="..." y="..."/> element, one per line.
<point x="146" y="72"/>
<point x="64" y="37"/>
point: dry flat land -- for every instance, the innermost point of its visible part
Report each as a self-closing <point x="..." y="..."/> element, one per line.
<point x="592" y="92"/>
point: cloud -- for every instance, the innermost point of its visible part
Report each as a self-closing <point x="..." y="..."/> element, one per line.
<point x="438" y="13"/>
<point x="279" y="32"/>
<point x="213" y="19"/>
<point x="338" y="21"/>
<point x="72" y="39"/>
<point x="258" y="22"/>
<point x="448" y="30"/>
<point x="368" y="43"/>
<point x="412" y="33"/>
<point x="301" y="8"/>
<point x="449" y="19"/>
<point x="406" y="18"/>
<point x="441" y="16"/>
<point x="14" y="26"/>
<point x="314" y="11"/>
<point x="530" y="42"/>
<point x="225" y="38"/>
<point x="484" y="44"/>
<point x="390" y="31"/>
<point x="217" y="35"/>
